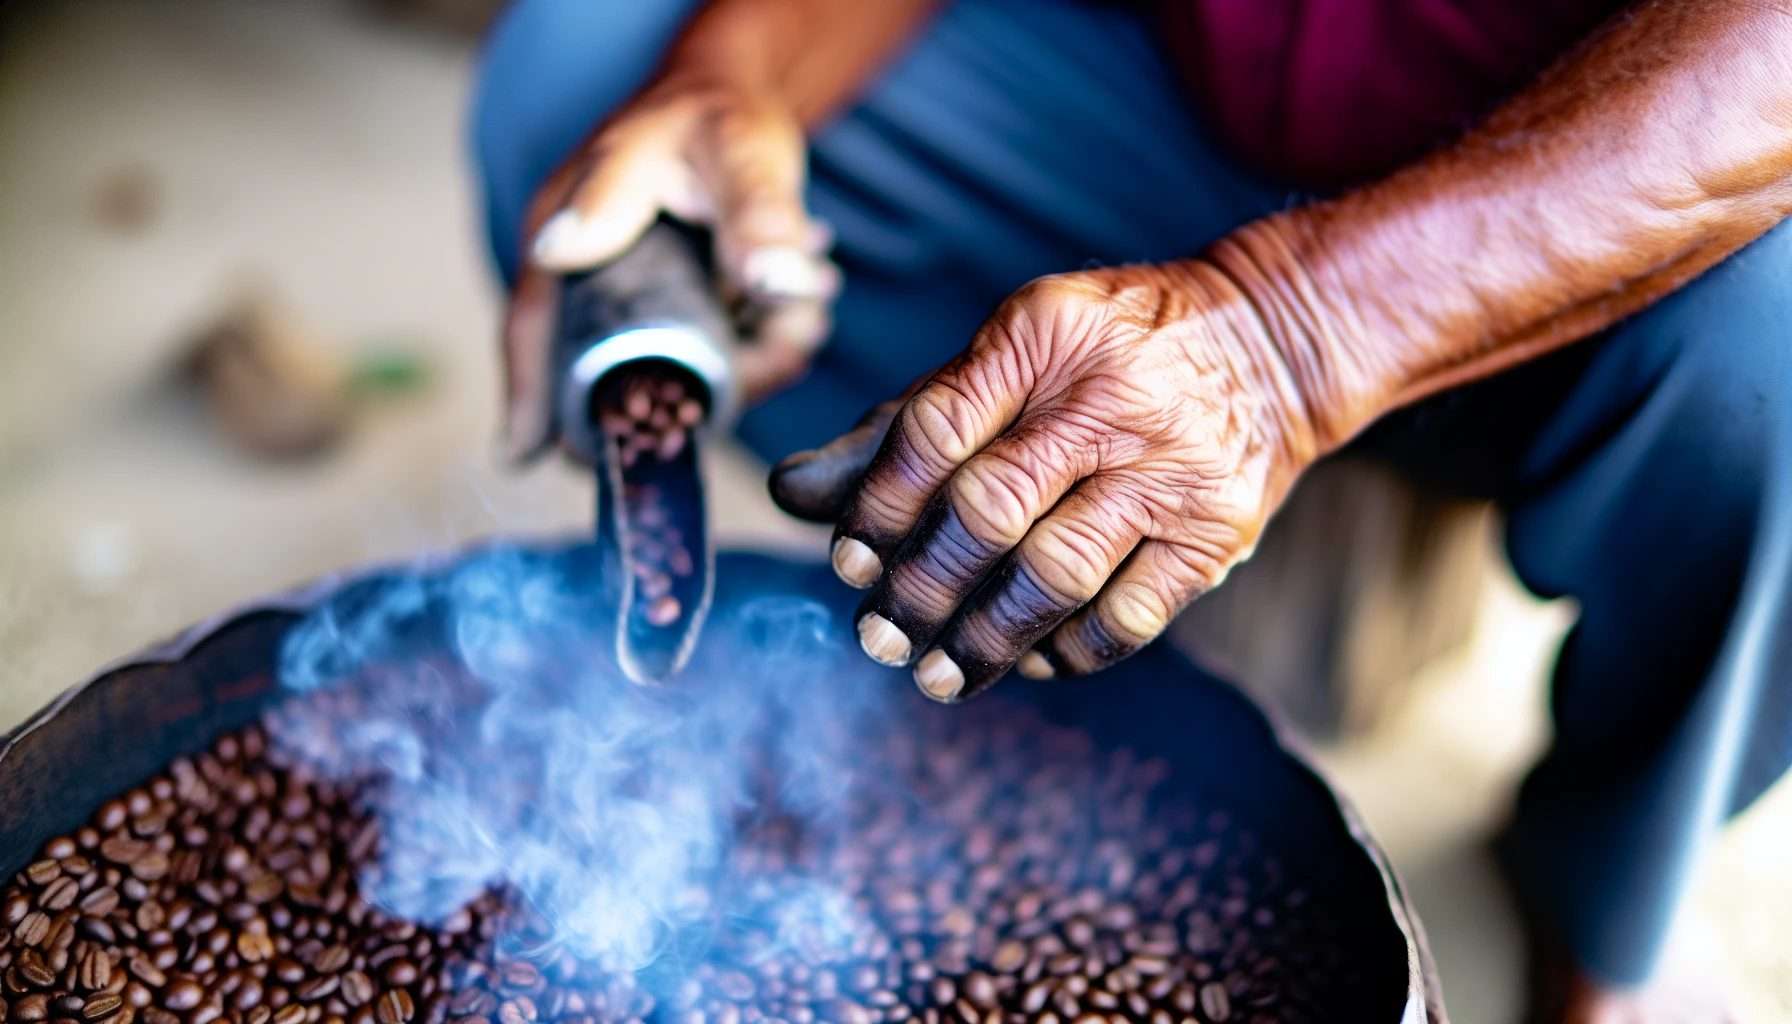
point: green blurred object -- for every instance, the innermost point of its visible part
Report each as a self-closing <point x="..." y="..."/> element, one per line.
<point x="387" y="371"/>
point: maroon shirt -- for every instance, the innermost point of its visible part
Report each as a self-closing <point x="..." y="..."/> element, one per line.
<point x="1325" y="92"/>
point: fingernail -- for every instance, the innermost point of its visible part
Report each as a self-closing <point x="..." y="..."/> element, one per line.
<point x="882" y="641"/>
<point x="564" y="239"/>
<point x="939" y="676"/>
<point x="781" y="271"/>
<point x="856" y="564"/>
<point x="1034" y="665"/>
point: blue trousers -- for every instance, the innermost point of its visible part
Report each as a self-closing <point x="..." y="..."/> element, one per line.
<point x="1647" y="472"/>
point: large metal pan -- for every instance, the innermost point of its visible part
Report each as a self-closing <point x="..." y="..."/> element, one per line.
<point x="106" y="735"/>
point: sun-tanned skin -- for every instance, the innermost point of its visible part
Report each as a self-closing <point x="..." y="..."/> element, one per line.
<point x="716" y="138"/>
<point x="1112" y="441"/>
<point x="1187" y="396"/>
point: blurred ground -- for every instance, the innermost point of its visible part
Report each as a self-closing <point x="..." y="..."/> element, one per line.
<point x="300" y="145"/>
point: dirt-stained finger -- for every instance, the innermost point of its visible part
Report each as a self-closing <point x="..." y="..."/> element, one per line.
<point x="983" y="511"/>
<point x="1063" y="562"/>
<point x="1132" y="609"/>
<point x="818" y="483"/>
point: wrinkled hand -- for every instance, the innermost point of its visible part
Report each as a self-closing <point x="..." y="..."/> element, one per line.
<point x="701" y="152"/>
<point x="1110" y="444"/>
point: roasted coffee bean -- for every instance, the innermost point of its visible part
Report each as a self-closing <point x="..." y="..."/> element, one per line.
<point x="124" y="851"/>
<point x="520" y="975"/>
<point x="182" y="993"/>
<point x="331" y="959"/>
<point x="15" y="907"/>
<point x="101" y="1007"/>
<point x="395" y="1007"/>
<point x="664" y="611"/>
<point x="317" y="988"/>
<point x="100" y="902"/>
<point x="97" y="930"/>
<point x="144" y="969"/>
<point x="1216" y="1002"/>
<point x="62" y="935"/>
<point x="357" y="988"/>
<point x="32" y="929"/>
<point x="42" y="872"/>
<point x="399" y="973"/>
<point x="34" y="970"/>
<point x="151" y="866"/>
<point x="254" y="947"/>
<point x="95" y="971"/>
<point x="263" y="887"/>
<point x="472" y="1002"/>
<point x="60" y="894"/>
<point x="519" y="1010"/>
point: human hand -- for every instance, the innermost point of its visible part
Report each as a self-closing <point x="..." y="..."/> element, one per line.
<point x="1108" y="447"/>
<point x="704" y="152"/>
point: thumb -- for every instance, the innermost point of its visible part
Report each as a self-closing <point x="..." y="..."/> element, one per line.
<point x="619" y="196"/>
<point x="816" y="484"/>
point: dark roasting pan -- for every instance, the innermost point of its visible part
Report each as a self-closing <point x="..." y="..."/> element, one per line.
<point x="106" y="735"/>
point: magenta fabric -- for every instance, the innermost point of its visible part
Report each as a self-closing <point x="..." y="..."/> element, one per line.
<point x="1325" y="92"/>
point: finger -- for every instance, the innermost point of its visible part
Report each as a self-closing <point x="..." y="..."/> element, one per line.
<point x="817" y="484"/>
<point x="1064" y="560"/>
<point x="977" y="518"/>
<point x="781" y="347"/>
<point x="954" y="414"/>
<point x="528" y="328"/>
<point x="619" y="195"/>
<point x="752" y="163"/>
<point x="1138" y="604"/>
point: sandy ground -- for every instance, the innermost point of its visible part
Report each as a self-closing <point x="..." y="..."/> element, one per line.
<point x="298" y="146"/>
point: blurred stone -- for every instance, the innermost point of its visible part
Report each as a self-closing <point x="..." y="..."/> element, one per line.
<point x="128" y="199"/>
<point x="272" y="387"/>
<point x="103" y="555"/>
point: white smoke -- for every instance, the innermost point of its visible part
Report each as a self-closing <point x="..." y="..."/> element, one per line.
<point x="516" y="755"/>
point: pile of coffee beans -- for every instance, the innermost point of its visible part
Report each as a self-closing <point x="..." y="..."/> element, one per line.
<point x="1000" y="869"/>
<point x="658" y="555"/>
<point x="647" y="418"/>
<point x="650" y="414"/>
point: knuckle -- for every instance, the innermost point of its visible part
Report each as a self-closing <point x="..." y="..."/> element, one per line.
<point x="1135" y="612"/>
<point x="995" y="499"/>
<point x="1049" y="291"/>
<point x="939" y="424"/>
<point x="1068" y="562"/>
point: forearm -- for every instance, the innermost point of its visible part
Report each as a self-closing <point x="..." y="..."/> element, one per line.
<point x="814" y="54"/>
<point x="1661" y="146"/>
